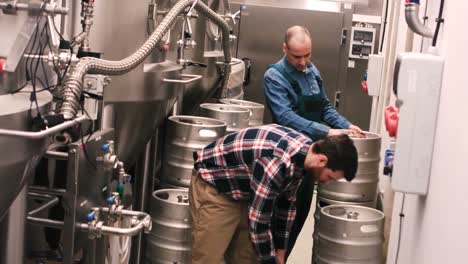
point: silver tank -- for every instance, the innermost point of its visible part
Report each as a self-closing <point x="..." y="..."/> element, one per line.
<point x="350" y="234"/>
<point x="139" y="100"/>
<point x="19" y="156"/>
<point x="184" y="135"/>
<point x="256" y="110"/>
<point x="364" y="187"/>
<point x="170" y="237"/>
<point x="236" y="117"/>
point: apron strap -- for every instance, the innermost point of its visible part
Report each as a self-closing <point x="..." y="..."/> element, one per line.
<point x="295" y="85"/>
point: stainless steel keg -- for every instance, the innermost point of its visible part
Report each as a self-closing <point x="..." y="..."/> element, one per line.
<point x="185" y="135"/>
<point x="350" y="234"/>
<point x="363" y="188"/>
<point x="236" y="117"/>
<point x="256" y="109"/>
<point x="170" y="237"/>
<point x="321" y="203"/>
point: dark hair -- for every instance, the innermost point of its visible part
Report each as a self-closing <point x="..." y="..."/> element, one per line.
<point x="341" y="154"/>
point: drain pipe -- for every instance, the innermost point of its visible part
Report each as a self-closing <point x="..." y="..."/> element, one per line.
<point x="70" y="91"/>
<point x="412" y="19"/>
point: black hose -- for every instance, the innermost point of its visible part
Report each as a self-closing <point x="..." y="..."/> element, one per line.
<point x="439" y="21"/>
<point x="384" y="26"/>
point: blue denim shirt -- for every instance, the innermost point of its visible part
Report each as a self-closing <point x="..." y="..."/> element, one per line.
<point x="284" y="102"/>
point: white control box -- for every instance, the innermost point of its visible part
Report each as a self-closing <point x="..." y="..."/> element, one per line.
<point x="417" y="83"/>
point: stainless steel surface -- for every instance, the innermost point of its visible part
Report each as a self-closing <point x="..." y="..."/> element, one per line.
<point x="351" y="241"/>
<point x="236" y="117"/>
<point x="355" y="104"/>
<point x="184" y="135"/>
<point x="142" y="109"/>
<point x="22" y="156"/>
<point x="256" y="110"/>
<point x="143" y="186"/>
<point x="170" y="238"/>
<point x="12" y="231"/>
<point x="296" y="4"/>
<point x="264" y="47"/>
<point x="364" y="187"/>
<point x="71" y="89"/>
<point x="16" y="31"/>
<point x="43" y="133"/>
<point x="87" y="187"/>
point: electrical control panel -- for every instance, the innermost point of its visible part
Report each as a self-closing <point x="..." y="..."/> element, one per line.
<point x="417" y="84"/>
<point x="362" y="41"/>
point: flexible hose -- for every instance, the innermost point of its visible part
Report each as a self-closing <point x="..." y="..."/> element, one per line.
<point x="70" y="91"/>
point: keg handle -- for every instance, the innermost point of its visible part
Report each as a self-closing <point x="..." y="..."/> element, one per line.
<point x="207" y="133"/>
<point x="369" y="228"/>
<point x="192" y="78"/>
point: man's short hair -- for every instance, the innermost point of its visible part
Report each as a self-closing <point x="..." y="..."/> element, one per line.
<point x="295" y="31"/>
<point x="341" y="154"/>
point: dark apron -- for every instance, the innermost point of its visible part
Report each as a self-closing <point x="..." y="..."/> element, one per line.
<point x="310" y="106"/>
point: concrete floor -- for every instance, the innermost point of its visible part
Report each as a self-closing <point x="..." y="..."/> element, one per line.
<point x="302" y="251"/>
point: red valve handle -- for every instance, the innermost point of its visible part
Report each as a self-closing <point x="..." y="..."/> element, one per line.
<point x="391" y="120"/>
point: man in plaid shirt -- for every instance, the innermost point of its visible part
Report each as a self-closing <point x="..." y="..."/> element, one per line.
<point x="243" y="190"/>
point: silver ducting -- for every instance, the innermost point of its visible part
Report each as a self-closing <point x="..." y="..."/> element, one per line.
<point x="70" y="92"/>
<point x="412" y="19"/>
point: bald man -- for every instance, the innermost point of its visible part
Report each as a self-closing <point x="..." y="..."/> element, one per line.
<point x="296" y="97"/>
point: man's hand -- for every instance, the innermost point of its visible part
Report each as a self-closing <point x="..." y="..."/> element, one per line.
<point x="356" y="131"/>
<point x="280" y="254"/>
<point x="335" y="132"/>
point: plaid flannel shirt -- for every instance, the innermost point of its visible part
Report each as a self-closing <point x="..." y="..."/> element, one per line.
<point x="264" y="166"/>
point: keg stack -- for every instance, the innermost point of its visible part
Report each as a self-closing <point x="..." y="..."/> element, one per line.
<point x="256" y="110"/>
<point x="362" y="191"/>
<point x="185" y="135"/>
<point x="236" y="117"/>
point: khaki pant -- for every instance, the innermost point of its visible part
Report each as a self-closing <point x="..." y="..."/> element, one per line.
<point x="219" y="227"/>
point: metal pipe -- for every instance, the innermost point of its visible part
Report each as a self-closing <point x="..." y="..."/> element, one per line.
<point x="45" y="222"/>
<point x="43" y="133"/>
<point x="47" y="8"/>
<point x="412" y="19"/>
<point x="58" y="155"/>
<point x="43" y="190"/>
<point x="45" y="206"/>
<point x="70" y="92"/>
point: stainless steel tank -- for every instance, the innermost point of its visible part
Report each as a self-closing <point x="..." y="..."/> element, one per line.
<point x="350" y="234"/>
<point x="256" y="109"/>
<point x="140" y="99"/>
<point x="236" y="117"/>
<point x="19" y="156"/>
<point x="170" y="237"/>
<point x="364" y="187"/>
<point x="184" y="135"/>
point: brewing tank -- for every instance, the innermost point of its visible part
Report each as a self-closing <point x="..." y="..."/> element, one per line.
<point x="19" y="156"/>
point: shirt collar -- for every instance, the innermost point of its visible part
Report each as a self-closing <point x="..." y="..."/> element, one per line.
<point x="300" y="156"/>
